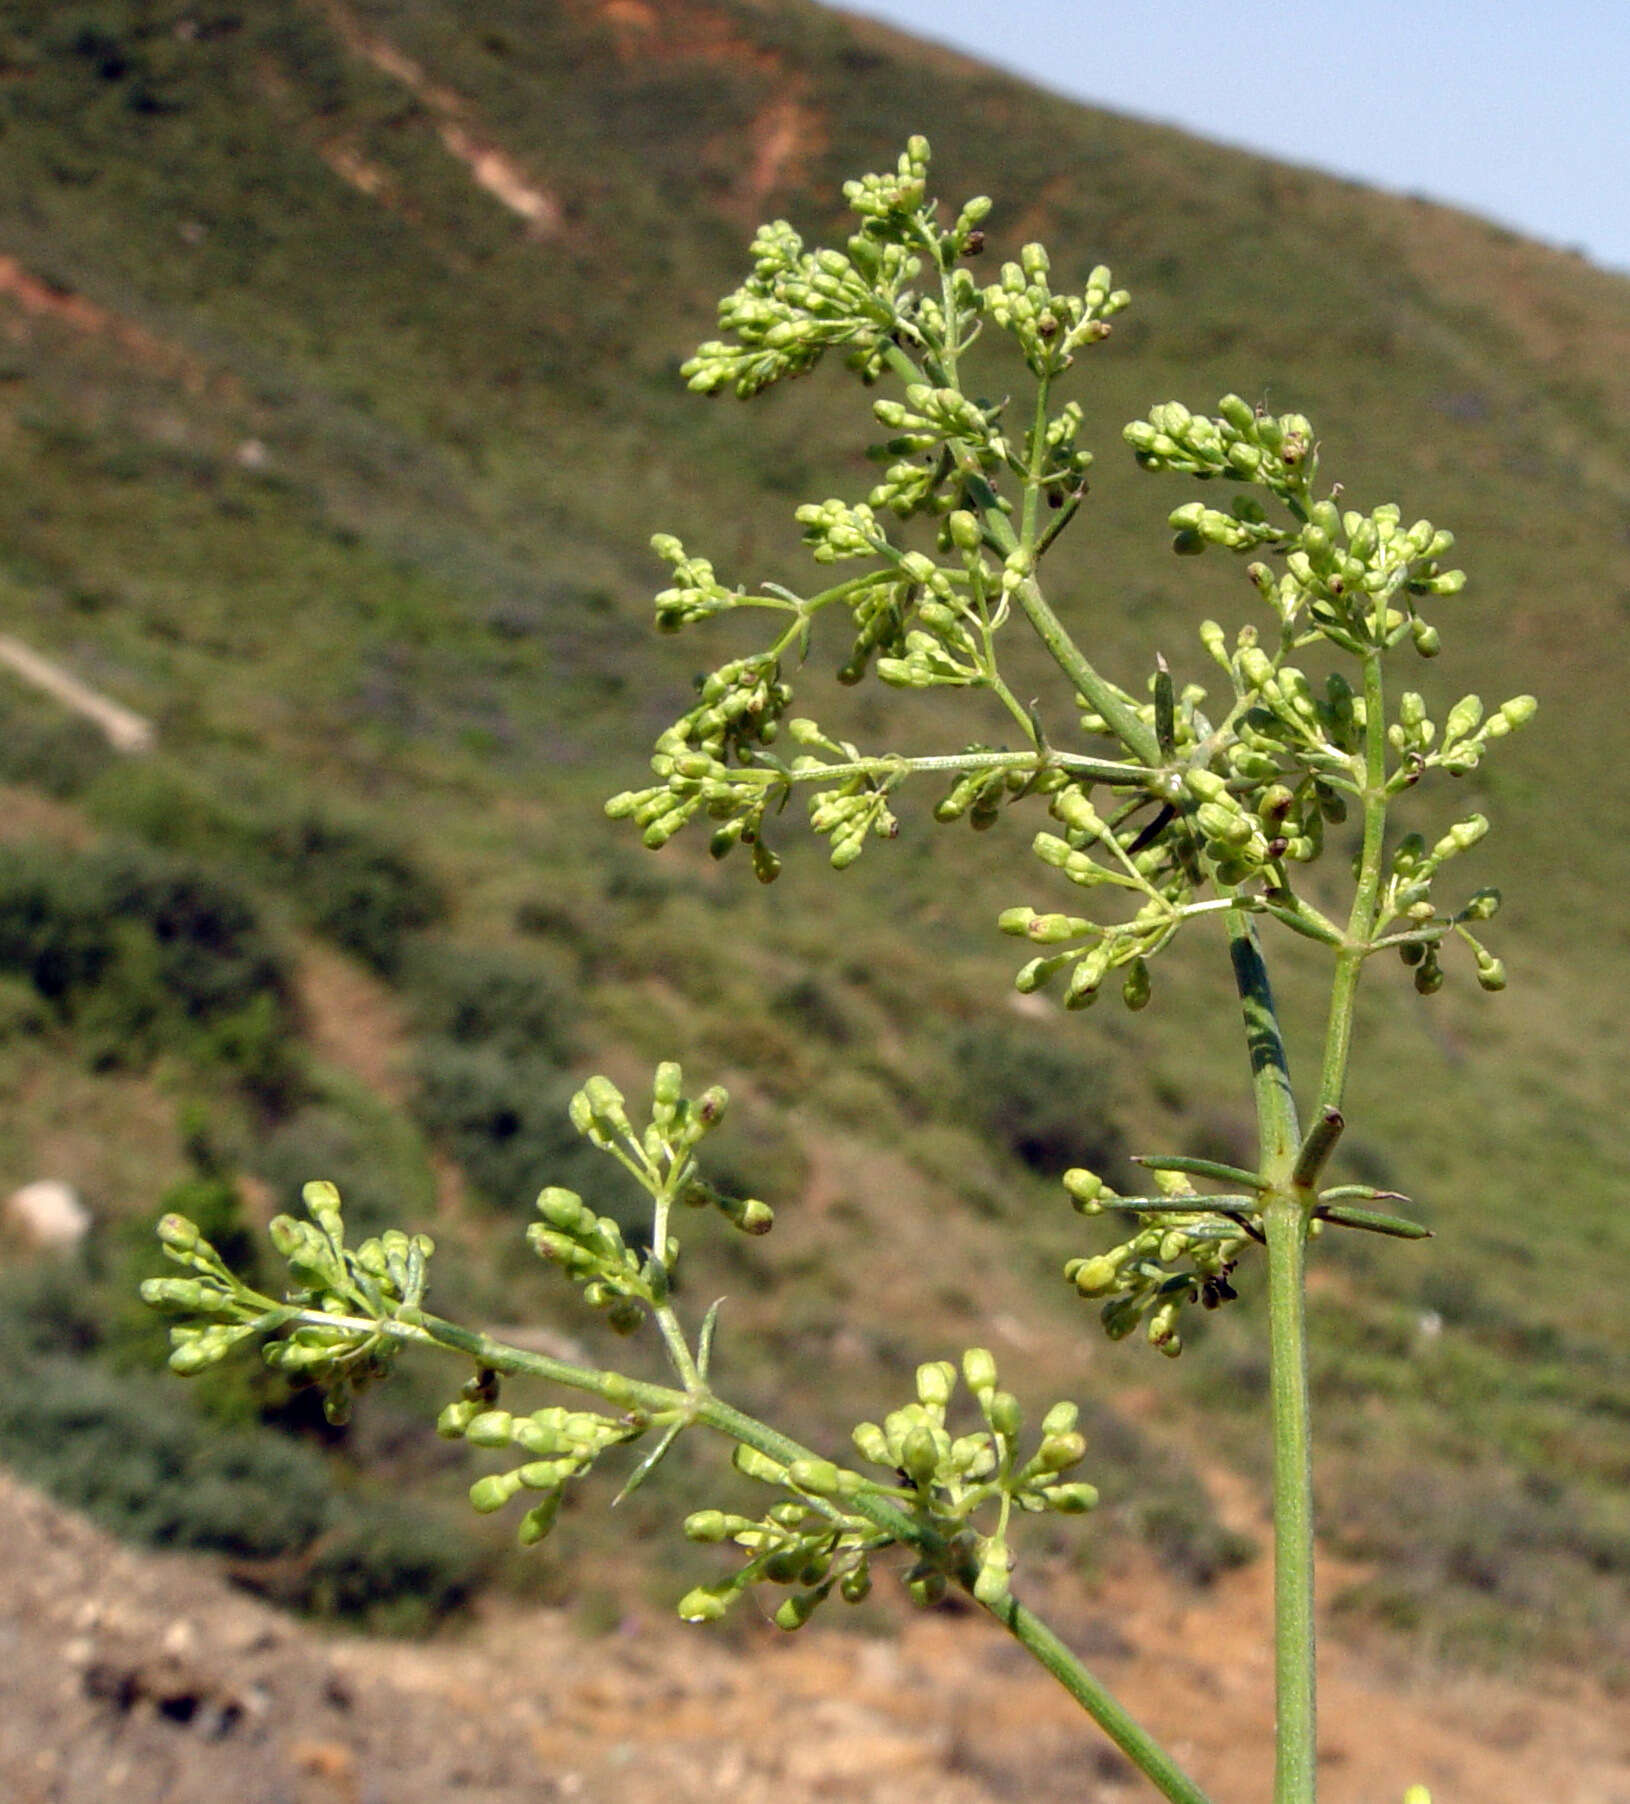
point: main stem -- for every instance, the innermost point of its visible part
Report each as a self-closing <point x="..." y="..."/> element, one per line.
<point x="1285" y="1215"/>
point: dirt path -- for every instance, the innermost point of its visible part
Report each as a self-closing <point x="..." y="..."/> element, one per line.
<point x="147" y="1679"/>
<point x="124" y="730"/>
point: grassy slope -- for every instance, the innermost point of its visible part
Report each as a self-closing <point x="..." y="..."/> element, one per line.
<point x="344" y="473"/>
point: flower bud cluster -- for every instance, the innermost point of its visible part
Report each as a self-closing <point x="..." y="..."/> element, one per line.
<point x="590" y="1248"/>
<point x="835" y="529"/>
<point x="1153" y="862"/>
<point x="898" y="195"/>
<point x="1466" y="733"/>
<point x="1050" y="328"/>
<point x="1407" y="894"/>
<point x="561" y="1444"/>
<point x="1067" y="461"/>
<point x="1244" y="527"/>
<point x="1245" y="445"/>
<point x="796" y="305"/>
<point x="696" y="758"/>
<point x="696" y="593"/>
<point x="1183" y="1257"/>
<point x="808" y="1542"/>
<point x="817" y="1540"/>
<point x="378" y="1281"/>
<point x="929" y="417"/>
<point x="880" y="609"/>
<point x="980" y="795"/>
<point x="231" y="1314"/>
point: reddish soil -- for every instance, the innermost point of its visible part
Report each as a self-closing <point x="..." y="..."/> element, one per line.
<point x="148" y="1679"/>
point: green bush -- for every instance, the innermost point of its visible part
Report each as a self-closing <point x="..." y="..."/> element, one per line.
<point x="133" y="1455"/>
<point x="357" y="890"/>
<point x="47" y="749"/>
<point x="1038" y="1099"/>
<point x="365" y="893"/>
<point x="494" y="999"/>
<point x="505" y="1122"/>
<point x="142" y="953"/>
<point x="324" y="1139"/>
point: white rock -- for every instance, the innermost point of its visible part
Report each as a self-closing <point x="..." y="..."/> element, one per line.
<point x="49" y="1214"/>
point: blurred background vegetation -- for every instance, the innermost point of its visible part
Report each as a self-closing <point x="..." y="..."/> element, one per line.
<point x="340" y="466"/>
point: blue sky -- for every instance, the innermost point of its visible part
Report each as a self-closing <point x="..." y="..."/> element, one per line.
<point x="1517" y="112"/>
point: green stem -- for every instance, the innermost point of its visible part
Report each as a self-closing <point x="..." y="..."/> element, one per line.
<point x="1037" y="458"/>
<point x="703" y="1407"/>
<point x="1147" y="1755"/>
<point x="1277" y="1131"/>
<point x="1285" y="1214"/>
<point x="890" y="764"/>
<point x="1284" y="1219"/>
<point x="1361" y="923"/>
<point x="1123" y="720"/>
<point x="668" y="1325"/>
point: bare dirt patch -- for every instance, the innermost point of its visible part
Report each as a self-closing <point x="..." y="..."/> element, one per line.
<point x="148" y="1678"/>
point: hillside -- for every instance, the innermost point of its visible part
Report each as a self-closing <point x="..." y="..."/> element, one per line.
<point x="338" y="402"/>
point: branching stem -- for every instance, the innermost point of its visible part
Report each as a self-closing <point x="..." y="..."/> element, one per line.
<point x="700" y="1406"/>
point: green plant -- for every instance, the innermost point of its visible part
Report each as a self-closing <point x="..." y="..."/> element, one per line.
<point x="144" y="953"/>
<point x="1180" y="813"/>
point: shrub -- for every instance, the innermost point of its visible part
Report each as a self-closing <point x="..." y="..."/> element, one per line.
<point x="1040" y="1100"/>
<point x="132" y="1455"/>
<point x="142" y="953"/>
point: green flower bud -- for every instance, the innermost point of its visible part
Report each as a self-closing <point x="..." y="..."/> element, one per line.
<point x="926" y="1588"/>
<point x="179" y="1293"/>
<point x="179" y="1234"/>
<point x="1084" y="1188"/>
<point x="491" y="1428"/>
<point x="935" y="1382"/>
<point x="920" y="1455"/>
<point x="1461" y="837"/>
<point x="856" y="1584"/>
<point x="1061" y="1419"/>
<point x="1519" y="710"/>
<point x="710" y="1526"/>
<point x="995" y="1569"/>
<point x="1003" y="1413"/>
<point x="545" y="1474"/>
<point x="872" y="1444"/>
<point x="1464" y="718"/>
<point x="1136" y="990"/>
<point x="455" y="1418"/>
<point x="563" y="1209"/>
<point x="538" y="1520"/>
<point x="817" y="1475"/>
<point x="1205" y="785"/>
<point x="1229" y="825"/>
<point x="706" y="1603"/>
<point x="979" y="1370"/>
<point x="1058" y="1452"/>
<point x="965" y="530"/>
<point x="494" y="1491"/>
<point x="797" y="1609"/>
<point x="1095" y="1277"/>
<point x="1071" y="1499"/>
<point x="196" y="1349"/>
<point x="752" y="1464"/>
<point x="1490" y="971"/>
